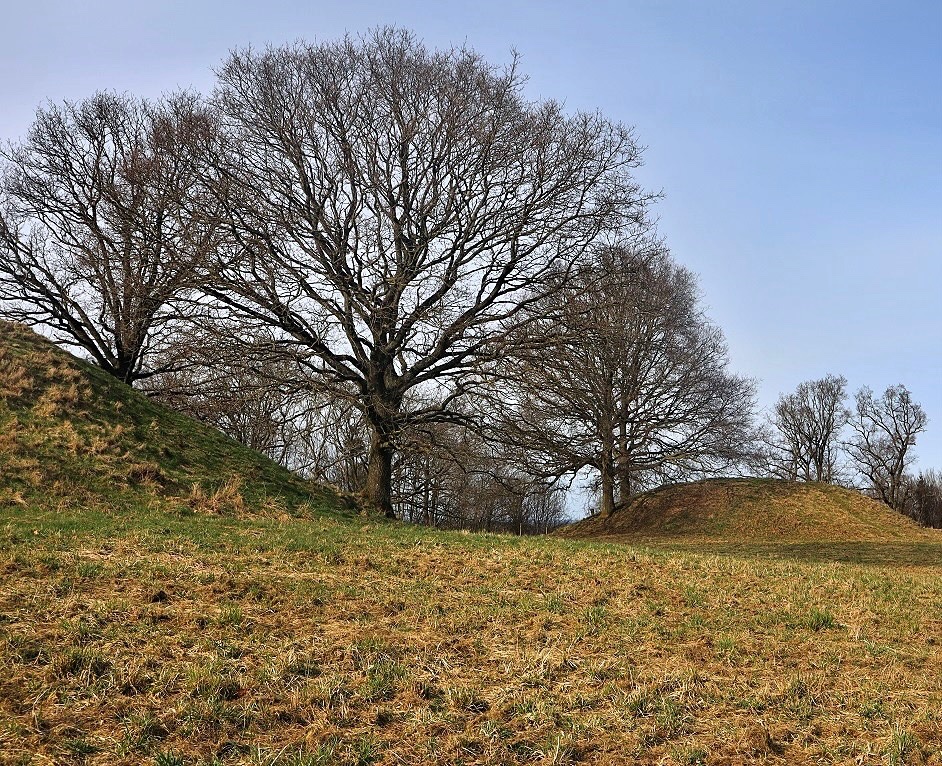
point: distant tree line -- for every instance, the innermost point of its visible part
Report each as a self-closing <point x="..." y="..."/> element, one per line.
<point x="387" y="268"/>
<point x="812" y="435"/>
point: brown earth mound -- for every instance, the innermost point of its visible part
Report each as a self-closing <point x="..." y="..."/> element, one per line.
<point x="738" y="510"/>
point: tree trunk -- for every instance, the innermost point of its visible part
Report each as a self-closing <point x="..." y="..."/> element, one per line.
<point x="624" y="486"/>
<point x="378" y="488"/>
<point x="622" y="464"/>
<point x="427" y="492"/>
<point x="607" y="503"/>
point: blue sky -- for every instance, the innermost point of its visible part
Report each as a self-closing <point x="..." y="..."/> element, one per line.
<point x="798" y="144"/>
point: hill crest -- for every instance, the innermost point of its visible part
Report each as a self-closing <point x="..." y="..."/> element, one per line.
<point x="71" y="435"/>
<point x="761" y="510"/>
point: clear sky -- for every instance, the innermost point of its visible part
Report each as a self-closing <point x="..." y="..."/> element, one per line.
<point x="798" y="142"/>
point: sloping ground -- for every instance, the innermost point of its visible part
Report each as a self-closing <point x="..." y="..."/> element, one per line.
<point x="73" y="436"/>
<point x="754" y="510"/>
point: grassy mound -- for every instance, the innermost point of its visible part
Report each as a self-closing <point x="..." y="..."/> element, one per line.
<point x="751" y="511"/>
<point x="72" y="436"/>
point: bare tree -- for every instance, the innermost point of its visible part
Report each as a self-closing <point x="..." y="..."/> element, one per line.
<point x="449" y="476"/>
<point x="885" y="430"/>
<point x="391" y="210"/>
<point x="99" y="227"/>
<point x="630" y="379"/>
<point x="923" y="498"/>
<point x="807" y="424"/>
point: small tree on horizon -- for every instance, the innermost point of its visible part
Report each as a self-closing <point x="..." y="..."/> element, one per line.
<point x="884" y="433"/>
<point x="806" y="426"/>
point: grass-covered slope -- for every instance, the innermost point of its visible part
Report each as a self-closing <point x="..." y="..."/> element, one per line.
<point x="754" y="511"/>
<point x="72" y="436"/>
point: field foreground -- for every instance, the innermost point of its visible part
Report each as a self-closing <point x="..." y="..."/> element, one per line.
<point x="205" y="639"/>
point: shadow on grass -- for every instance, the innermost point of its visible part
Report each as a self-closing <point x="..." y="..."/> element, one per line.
<point x="922" y="553"/>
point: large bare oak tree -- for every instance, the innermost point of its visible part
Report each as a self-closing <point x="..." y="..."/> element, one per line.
<point x="391" y="210"/>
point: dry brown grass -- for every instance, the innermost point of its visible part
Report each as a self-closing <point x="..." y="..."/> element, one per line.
<point x="153" y="612"/>
<point x="331" y="643"/>
<point x="14" y="377"/>
<point x="41" y="369"/>
<point x="225" y="499"/>
<point x="742" y="510"/>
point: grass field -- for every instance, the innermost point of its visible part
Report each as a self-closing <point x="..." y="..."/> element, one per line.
<point x="166" y="639"/>
<point x="167" y="597"/>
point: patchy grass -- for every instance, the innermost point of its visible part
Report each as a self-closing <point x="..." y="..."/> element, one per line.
<point x="219" y="640"/>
